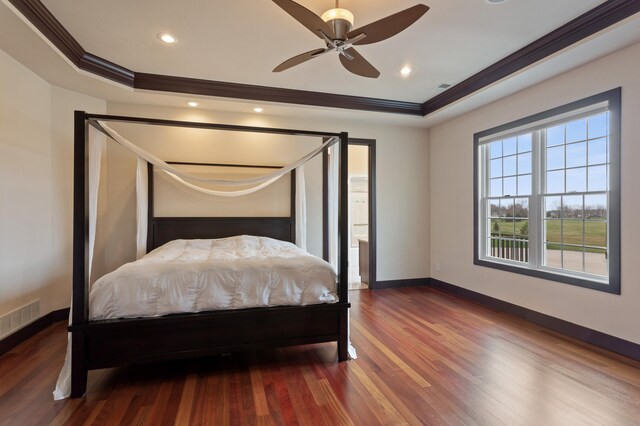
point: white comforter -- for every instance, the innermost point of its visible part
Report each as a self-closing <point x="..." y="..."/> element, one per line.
<point x="203" y="275"/>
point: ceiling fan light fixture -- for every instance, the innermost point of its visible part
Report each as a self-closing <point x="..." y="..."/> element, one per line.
<point x="337" y="13"/>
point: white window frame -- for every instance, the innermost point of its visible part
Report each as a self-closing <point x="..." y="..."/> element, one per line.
<point x="607" y="101"/>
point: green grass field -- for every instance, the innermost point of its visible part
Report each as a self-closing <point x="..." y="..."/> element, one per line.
<point x="595" y="232"/>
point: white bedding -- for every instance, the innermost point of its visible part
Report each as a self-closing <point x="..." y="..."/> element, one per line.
<point x="202" y="275"/>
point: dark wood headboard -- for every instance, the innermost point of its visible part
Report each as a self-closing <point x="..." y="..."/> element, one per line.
<point x="161" y="230"/>
<point x="164" y="229"/>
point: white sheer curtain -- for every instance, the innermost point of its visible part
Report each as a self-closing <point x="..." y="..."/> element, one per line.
<point x="97" y="142"/>
<point x="142" y="207"/>
<point x="96" y="147"/>
<point x="156" y="161"/>
<point x="207" y="191"/>
<point x="332" y="203"/>
<point x="301" y="209"/>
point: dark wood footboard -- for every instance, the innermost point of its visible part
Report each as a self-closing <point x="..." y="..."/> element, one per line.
<point x="112" y="343"/>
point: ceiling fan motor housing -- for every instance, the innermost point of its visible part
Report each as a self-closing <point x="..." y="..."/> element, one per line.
<point x="340" y="28"/>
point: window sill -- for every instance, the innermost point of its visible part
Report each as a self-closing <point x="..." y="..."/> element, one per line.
<point x="612" y="287"/>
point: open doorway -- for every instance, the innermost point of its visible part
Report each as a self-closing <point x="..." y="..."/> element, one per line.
<point x="359" y="264"/>
<point x="362" y="214"/>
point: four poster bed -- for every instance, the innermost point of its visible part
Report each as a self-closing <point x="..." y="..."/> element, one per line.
<point x="115" y="342"/>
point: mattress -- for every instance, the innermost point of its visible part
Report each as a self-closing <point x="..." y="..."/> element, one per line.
<point x="203" y="275"/>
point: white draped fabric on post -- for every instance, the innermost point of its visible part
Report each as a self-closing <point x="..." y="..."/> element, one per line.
<point x="96" y="147"/>
<point x="333" y="185"/>
<point x="301" y="209"/>
<point x="142" y="207"/>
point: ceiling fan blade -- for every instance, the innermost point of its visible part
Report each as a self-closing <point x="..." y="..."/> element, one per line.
<point x="297" y="60"/>
<point x="313" y="22"/>
<point x="358" y="65"/>
<point x="389" y="26"/>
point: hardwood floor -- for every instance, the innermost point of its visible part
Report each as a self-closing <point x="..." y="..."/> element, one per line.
<point x="423" y="358"/>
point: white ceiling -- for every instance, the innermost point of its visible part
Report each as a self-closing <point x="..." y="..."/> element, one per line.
<point x="21" y="41"/>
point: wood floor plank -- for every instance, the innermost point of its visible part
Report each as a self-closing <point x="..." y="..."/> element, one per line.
<point x="185" y="406"/>
<point x="397" y="360"/>
<point x="424" y="358"/>
<point x="257" y="388"/>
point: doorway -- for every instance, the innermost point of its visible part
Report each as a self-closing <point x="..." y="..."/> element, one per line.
<point x="362" y="214"/>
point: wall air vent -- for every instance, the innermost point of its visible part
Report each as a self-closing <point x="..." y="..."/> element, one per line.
<point x="18" y="318"/>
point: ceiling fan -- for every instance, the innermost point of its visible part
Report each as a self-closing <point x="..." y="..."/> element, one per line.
<point x="334" y="27"/>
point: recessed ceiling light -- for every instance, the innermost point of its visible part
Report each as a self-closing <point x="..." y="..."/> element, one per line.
<point x="258" y="109"/>
<point x="496" y="1"/>
<point x="192" y="104"/>
<point x="406" y="70"/>
<point x="167" y="38"/>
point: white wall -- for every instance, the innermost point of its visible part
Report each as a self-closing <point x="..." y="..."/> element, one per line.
<point x="25" y="190"/>
<point x="36" y="146"/>
<point x="402" y="172"/>
<point x="451" y="165"/>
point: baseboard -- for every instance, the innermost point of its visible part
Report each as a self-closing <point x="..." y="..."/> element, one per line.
<point x="412" y="282"/>
<point x="597" y="338"/>
<point x="31" y="329"/>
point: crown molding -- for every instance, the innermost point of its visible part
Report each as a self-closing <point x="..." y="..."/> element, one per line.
<point x="597" y="19"/>
<point x="591" y="22"/>
<point x="44" y="21"/>
<point x="165" y="83"/>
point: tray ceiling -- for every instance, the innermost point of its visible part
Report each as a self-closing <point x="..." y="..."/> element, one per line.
<point x="63" y="41"/>
<point x="241" y="41"/>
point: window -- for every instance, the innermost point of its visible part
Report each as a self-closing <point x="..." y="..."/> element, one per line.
<point x="547" y="200"/>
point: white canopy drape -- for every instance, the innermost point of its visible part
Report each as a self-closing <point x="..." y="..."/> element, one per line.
<point x="301" y="209"/>
<point x="142" y="207"/>
<point x="156" y="161"/>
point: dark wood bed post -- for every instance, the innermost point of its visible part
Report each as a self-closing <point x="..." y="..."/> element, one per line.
<point x="80" y="256"/>
<point x="343" y="249"/>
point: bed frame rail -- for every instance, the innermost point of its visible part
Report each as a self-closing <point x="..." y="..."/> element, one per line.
<point x="120" y="342"/>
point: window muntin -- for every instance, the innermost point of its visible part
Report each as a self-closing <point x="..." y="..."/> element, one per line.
<point x="575" y="195"/>
<point x="510" y="185"/>
<point x="544" y="198"/>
